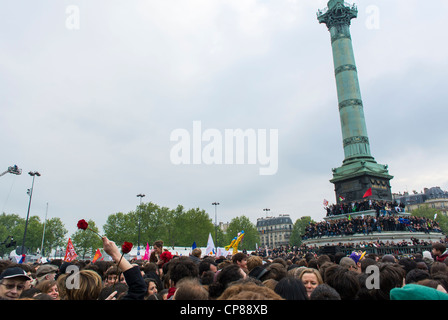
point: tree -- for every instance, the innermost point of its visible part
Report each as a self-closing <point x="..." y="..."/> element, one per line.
<point x="13" y="225"/>
<point x="120" y="227"/>
<point x="298" y="230"/>
<point x="251" y="236"/>
<point x="86" y="241"/>
<point x="193" y="225"/>
<point x="427" y="212"/>
<point x="54" y="235"/>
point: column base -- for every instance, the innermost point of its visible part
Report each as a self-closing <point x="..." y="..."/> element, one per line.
<point x="355" y="177"/>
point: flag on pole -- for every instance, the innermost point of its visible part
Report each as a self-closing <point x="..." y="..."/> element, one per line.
<point x="325" y="202"/>
<point x="146" y="256"/>
<point x="341" y="198"/>
<point x="97" y="255"/>
<point x="21" y="258"/>
<point x="368" y="193"/>
<point x="210" y="246"/>
<point x="70" y="253"/>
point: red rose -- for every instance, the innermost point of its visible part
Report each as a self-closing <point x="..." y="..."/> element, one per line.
<point x="166" y="256"/>
<point x="126" y="247"/>
<point x="82" y="224"/>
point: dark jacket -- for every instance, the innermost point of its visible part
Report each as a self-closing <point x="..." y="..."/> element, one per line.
<point x="442" y="257"/>
<point x="136" y="284"/>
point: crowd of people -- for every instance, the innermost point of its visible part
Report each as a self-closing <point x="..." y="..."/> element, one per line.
<point x="369" y="224"/>
<point x="283" y="274"/>
<point x="381" y="207"/>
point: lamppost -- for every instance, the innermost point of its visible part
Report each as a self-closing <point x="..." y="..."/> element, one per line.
<point x="140" y="195"/>
<point x="33" y="174"/>
<point x="216" y="223"/>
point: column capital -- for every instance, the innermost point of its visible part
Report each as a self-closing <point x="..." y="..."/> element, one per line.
<point x="338" y="13"/>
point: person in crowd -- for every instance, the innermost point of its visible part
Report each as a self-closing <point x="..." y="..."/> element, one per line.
<point x="310" y="278"/>
<point x="228" y="274"/>
<point x="49" y="287"/>
<point x="12" y="283"/>
<point x="46" y="272"/>
<point x="152" y="287"/>
<point x="417" y="292"/>
<point x="156" y="253"/>
<point x="180" y="268"/>
<point x="249" y="289"/>
<point x="344" y="281"/>
<point x="324" y="292"/>
<point x="190" y="289"/>
<point x="240" y="259"/>
<point x="253" y="261"/>
<point x="439" y="251"/>
<point x="113" y="276"/>
<point x="113" y="292"/>
<point x="291" y="288"/>
<point x="196" y="255"/>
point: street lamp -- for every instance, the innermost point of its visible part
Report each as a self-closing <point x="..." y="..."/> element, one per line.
<point x="33" y="174"/>
<point x="140" y="195"/>
<point x="216" y="223"/>
<point x="266" y="209"/>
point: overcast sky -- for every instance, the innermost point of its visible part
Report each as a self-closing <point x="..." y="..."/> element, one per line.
<point x="91" y="92"/>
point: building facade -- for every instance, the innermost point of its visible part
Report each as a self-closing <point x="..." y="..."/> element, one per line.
<point x="274" y="231"/>
<point x="434" y="198"/>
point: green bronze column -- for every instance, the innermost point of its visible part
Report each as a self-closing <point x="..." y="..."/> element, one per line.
<point x="359" y="169"/>
<point x="354" y="131"/>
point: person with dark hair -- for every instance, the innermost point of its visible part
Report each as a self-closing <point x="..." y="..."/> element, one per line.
<point x="408" y="264"/>
<point x="180" y="268"/>
<point x="225" y="276"/>
<point x="152" y="287"/>
<point x="324" y="292"/>
<point x="345" y="282"/>
<point x="291" y="288"/>
<point x="113" y="292"/>
<point x="416" y="275"/>
<point x="113" y="276"/>
<point x="367" y="262"/>
<point x="153" y="276"/>
<point x="240" y="259"/>
<point x="438" y="266"/>
<point x="442" y="279"/>
<point x="439" y="251"/>
<point x="207" y="264"/>
<point x="134" y="280"/>
<point x="155" y="254"/>
<point x="432" y="284"/>
<point x="274" y="271"/>
<point x="338" y="256"/>
<point x="322" y="259"/>
<point x="391" y="276"/>
<point x="30" y="293"/>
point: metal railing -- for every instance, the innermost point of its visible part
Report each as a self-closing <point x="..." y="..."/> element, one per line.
<point x="399" y="250"/>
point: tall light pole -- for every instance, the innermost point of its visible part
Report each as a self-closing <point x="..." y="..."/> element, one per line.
<point x="140" y="195"/>
<point x="266" y="210"/>
<point x="43" y="233"/>
<point x="216" y="223"/>
<point x="33" y="174"/>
